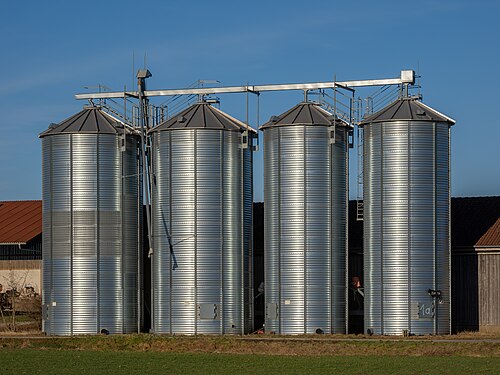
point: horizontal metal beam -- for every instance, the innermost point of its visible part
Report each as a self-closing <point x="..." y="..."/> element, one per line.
<point x="407" y="76"/>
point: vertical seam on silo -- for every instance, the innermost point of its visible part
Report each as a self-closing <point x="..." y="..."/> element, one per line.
<point x="51" y="194"/>
<point x="366" y="248"/>
<point x="221" y="232"/>
<point x="279" y="230"/>
<point x="345" y="134"/>
<point x="51" y="185"/>
<point x="122" y="148"/>
<point x="434" y="229"/>
<point x="140" y="305"/>
<point x="408" y="265"/>
<point x="71" y="227"/>
<point x="195" y="180"/>
<point x="140" y="228"/>
<point x="97" y="249"/>
<point x="156" y="208"/>
<point x="332" y="230"/>
<point x="382" y="195"/>
<point x="244" y="270"/>
<point x="448" y="250"/>
<point x="248" y="220"/>
<point x="304" y="197"/>
<point x="242" y="237"/>
<point x="169" y="234"/>
<point x="251" y="292"/>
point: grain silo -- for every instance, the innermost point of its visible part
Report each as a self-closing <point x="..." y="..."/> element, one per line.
<point x="406" y="220"/>
<point x="202" y="223"/>
<point x="92" y="214"/>
<point x="305" y="197"/>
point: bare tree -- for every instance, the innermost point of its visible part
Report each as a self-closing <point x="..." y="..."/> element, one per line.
<point x="14" y="283"/>
<point x="3" y="304"/>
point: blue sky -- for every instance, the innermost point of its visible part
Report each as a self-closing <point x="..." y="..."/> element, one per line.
<point x="50" y="50"/>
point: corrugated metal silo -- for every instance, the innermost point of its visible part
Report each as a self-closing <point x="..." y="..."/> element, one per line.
<point x="406" y="220"/>
<point x="92" y="214"/>
<point x="202" y="223"/>
<point x="305" y="221"/>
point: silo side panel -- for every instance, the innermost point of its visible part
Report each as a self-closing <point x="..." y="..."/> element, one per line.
<point x="395" y="227"/>
<point x="372" y="223"/>
<point x="305" y="229"/>
<point x="292" y="222"/>
<point x="272" y="236"/>
<point x="198" y="204"/>
<point x="422" y="266"/>
<point x="60" y="309"/>
<point x="407" y="205"/>
<point x="112" y="254"/>
<point x="46" y="233"/>
<point x="320" y="230"/>
<point x="209" y="233"/>
<point x="232" y="230"/>
<point x="87" y="259"/>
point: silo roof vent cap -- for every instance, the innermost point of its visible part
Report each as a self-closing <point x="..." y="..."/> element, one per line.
<point x="274" y="119"/>
<point x="181" y="119"/>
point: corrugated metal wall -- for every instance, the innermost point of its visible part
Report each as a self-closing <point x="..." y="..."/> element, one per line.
<point x="305" y="229"/>
<point x="91" y="231"/>
<point x="202" y="217"/>
<point x="30" y="251"/>
<point x="406" y="227"/>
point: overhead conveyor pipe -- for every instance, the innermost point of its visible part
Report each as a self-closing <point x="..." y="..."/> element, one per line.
<point x="406" y="77"/>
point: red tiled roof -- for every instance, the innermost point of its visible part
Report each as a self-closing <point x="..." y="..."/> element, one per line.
<point x="491" y="237"/>
<point x="20" y="221"/>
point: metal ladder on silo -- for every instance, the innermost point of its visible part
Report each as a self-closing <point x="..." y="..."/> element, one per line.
<point x="359" y="199"/>
<point x="358" y="115"/>
<point x="382" y="97"/>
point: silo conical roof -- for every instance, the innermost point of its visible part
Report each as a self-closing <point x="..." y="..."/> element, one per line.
<point x="407" y="109"/>
<point x="305" y="113"/>
<point x="91" y="120"/>
<point x="202" y="116"/>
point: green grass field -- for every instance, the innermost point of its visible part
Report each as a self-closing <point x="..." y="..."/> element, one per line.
<point x="50" y="361"/>
<point x="325" y="354"/>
